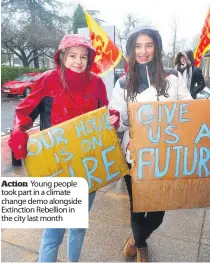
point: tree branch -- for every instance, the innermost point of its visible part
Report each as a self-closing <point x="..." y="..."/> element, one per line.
<point x="31" y="52"/>
<point x="38" y="55"/>
<point x="13" y="50"/>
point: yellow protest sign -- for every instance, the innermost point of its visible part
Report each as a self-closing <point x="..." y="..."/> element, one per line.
<point x="86" y="146"/>
<point x="170" y="146"/>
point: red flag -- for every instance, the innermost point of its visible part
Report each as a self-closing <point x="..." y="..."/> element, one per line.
<point x="107" y="53"/>
<point x="204" y="42"/>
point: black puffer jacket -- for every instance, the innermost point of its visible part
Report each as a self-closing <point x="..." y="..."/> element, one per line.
<point x="197" y="81"/>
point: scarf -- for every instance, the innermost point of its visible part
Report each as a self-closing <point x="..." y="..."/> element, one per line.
<point x="143" y="77"/>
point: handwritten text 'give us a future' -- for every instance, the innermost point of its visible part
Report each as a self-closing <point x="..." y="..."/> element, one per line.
<point x="169" y="126"/>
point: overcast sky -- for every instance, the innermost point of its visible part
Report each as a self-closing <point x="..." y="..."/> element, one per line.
<point x="190" y="14"/>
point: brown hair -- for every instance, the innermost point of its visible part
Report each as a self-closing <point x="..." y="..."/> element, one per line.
<point x="178" y="64"/>
<point x="177" y="59"/>
<point x="133" y="77"/>
<point x="61" y="58"/>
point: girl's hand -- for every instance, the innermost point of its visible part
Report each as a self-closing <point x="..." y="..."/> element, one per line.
<point x="114" y="118"/>
<point x="18" y="143"/>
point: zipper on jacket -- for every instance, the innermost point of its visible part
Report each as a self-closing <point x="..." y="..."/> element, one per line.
<point x="148" y="79"/>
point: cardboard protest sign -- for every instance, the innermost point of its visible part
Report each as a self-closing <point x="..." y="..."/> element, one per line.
<point x="170" y="146"/>
<point x="86" y="146"/>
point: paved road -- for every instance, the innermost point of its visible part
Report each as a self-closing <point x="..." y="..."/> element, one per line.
<point x="8" y="106"/>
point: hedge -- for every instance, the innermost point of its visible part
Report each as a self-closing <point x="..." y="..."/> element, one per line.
<point x="10" y="73"/>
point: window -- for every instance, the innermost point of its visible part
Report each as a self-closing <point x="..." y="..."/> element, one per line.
<point x="38" y="76"/>
<point x="24" y="78"/>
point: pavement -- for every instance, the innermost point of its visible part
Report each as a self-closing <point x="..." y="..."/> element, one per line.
<point x="183" y="236"/>
<point x="8" y="106"/>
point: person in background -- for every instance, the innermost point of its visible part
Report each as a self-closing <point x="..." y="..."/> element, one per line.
<point x="60" y="95"/>
<point x="146" y="80"/>
<point x="184" y="63"/>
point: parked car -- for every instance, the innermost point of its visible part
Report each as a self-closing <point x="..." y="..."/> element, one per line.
<point x="22" y="85"/>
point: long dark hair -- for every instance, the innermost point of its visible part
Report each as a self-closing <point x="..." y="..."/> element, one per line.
<point x="133" y="78"/>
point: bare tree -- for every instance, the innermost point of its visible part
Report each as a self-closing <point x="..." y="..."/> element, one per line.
<point x="130" y="21"/>
<point x="177" y="44"/>
<point x="195" y="41"/>
<point x="175" y="27"/>
<point x="181" y="44"/>
<point x="30" y="41"/>
<point x="30" y="29"/>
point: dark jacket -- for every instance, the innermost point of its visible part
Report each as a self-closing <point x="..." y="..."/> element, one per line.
<point x="197" y="81"/>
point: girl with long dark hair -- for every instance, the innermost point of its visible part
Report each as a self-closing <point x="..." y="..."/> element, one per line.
<point x="146" y="80"/>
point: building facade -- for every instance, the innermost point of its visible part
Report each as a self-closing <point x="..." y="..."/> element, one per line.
<point x="206" y="67"/>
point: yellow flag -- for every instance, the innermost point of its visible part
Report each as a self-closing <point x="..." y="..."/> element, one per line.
<point x="108" y="54"/>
